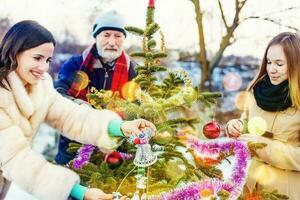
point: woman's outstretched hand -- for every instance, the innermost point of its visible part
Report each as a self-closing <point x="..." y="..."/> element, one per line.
<point x="234" y="128"/>
<point x="97" y="194"/>
<point x="135" y="127"/>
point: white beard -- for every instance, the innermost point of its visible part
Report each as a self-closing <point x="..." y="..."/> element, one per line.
<point x="108" y="55"/>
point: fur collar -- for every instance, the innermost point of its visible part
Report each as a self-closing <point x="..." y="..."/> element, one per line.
<point x="27" y="99"/>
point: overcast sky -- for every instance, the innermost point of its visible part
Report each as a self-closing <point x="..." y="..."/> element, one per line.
<point x="176" y="18"/>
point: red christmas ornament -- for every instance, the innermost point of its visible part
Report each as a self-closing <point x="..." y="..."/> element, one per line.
<point x="137" y="141"/>
<point x="211" y="130"/>
<point x="151" y="4"/>
<point x="113" y="159"/>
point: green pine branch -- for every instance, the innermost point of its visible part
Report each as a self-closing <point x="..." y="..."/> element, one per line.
<point x="134" y="30"/>
<point x="151" y="29"/>
<point x="138" y="54"/>
<point x="150" y="16"/>
<point x="156" y="100"/>
<point x="274" y="195"/>
<point x="159" y="55"/>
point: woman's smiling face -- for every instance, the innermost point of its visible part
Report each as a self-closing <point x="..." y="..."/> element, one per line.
<point x="33" y="63"/>
<point x="276" y="64"/>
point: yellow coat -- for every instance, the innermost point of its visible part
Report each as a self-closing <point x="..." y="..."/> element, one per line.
<point x="278" y="165"/>
<point x="21" y="112"/>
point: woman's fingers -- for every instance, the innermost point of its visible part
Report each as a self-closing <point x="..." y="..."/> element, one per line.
<point x="234" y="129"/>
<point x="105" y="197"/>
<point x="137" y="126"/>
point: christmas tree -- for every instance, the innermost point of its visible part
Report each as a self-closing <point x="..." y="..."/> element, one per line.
<point x="182" y="160"/>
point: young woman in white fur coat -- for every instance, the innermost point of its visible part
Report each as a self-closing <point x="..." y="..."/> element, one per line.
<point x="27" y="99"/>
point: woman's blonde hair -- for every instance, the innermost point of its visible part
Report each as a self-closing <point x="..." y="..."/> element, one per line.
<point x="290" y="43"/>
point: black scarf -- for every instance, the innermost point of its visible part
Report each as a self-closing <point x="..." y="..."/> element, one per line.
<point x="271" y="97"/>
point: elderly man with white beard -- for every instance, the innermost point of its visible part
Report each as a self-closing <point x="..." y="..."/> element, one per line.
<point x="104" y="65"/>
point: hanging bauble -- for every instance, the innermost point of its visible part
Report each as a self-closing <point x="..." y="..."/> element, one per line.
<point x="137" y="141"/>
<point x="81" y="81"/>
<point x="211" y="130"/>
<point x="206" y="194"/>
<point x="113" y="159"/>
<point x="129" y="90"/>
<point x="162" y="138"/>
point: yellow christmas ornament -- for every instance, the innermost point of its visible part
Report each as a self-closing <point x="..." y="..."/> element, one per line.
<point x="257" y="126"/>
<point x="129" y="90"/>
<point x="206" y="194"/>
<point x="162" y="138"/>
<point x="81" y="80"/>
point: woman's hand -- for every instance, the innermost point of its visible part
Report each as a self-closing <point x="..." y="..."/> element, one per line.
<point x="135" y="127"/>
<point x="96" y="194"/>
<point x="234" y="128"/>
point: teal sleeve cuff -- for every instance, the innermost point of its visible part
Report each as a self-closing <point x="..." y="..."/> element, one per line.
<point x="78" y="191"/>
<point x="114" y="128"/>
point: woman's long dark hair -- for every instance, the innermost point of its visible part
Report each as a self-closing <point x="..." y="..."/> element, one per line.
<point x="22" y="36"/>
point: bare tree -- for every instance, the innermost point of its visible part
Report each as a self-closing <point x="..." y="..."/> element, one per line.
<point x="228" y="38"/>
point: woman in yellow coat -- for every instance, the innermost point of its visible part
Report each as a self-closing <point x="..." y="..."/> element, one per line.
<point x="27" y="99"/>
<point x="274" y="96"/>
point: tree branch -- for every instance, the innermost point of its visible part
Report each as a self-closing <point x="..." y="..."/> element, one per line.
<point x="227" y="38"/>
<point x="281" y="11"/>
<point x="242" y="3"/>
<point x="273" y="21"/>
<point x="222" y="14"/>
<point x="202" y="55"/>
<point x="238" y="7"/>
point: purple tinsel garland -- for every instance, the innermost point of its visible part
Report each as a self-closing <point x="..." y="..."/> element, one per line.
<point x="234" y="185"/>
<point x="126" y="156"/>
<point x="83" y="156"/>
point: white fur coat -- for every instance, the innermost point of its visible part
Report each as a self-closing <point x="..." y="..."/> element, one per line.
<point x="22" y="110"/>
